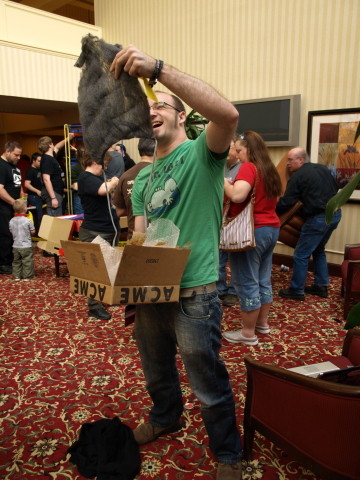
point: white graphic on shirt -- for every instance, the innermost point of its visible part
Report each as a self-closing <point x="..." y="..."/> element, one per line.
<point x="164" y="198"/>
<point x="17" y="177"/>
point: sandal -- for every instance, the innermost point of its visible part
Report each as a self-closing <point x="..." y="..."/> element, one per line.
<point x="262" y="329"/>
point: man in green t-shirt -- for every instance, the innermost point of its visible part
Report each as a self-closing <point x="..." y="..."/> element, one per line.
<point x="185" y="185"/>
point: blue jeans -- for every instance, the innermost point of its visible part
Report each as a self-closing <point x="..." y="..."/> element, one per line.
<point x="6" y="238"/>
<point x="37" y="202"/>
<point x="314" y="235"/>
<point x="77" y="207"/>
<point x="192" y="326"/>
<point x="251" y="270"/>
<point x="222" y="286"/>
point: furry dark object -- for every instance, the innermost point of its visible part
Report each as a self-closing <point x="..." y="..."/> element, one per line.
<point x="106" y="449"/>
<point x="110" y="110"/>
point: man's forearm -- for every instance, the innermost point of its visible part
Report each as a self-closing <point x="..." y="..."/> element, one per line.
<point x="200" y="96"/>
<point x="6" y="197"/>
<point x="30" y="188"/>
<point x="197" y="94"/>
<point x="49" y="187"/>
<point x="140" y="224"/>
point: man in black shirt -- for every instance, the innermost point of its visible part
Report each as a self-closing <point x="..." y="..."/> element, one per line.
<point x="10" y="189"/>
<point x="313" y="185"/>
<point x="52" y="175"/>
<point x="33" y="185"/>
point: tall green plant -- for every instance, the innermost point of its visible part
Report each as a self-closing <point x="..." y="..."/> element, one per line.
<point x="353" y="318"/>
<point x="342" y="196"/>
<point x="336" y="202"/>
<point x="194" y="124"/>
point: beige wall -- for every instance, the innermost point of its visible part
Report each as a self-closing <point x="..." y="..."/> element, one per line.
<point x="35" y="48"/>
<point x="254" y="48"/>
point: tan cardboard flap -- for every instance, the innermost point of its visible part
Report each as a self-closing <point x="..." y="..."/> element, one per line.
<point x="85" y="260"/>
<point x="123" y="222"/>
<point x="55" y="229"/>
<point x="48" y="246"/>
<point x="151" y="265"/>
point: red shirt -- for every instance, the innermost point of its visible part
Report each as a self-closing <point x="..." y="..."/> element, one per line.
<point x="264" y="208"/>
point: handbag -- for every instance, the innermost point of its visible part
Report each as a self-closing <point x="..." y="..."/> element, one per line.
<point x="237" y="233"/>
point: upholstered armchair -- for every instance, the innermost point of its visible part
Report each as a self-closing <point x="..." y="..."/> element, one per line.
<point x="316" y="421"/>
<point x="350" y="273"/>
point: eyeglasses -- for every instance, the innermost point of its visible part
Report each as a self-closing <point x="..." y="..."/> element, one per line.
<point x="292" y="159"/>
<point x="161" y="105"/>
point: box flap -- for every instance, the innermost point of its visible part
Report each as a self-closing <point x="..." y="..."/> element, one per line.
<point x="49" y="246"/>
<point x="55" y="229"/>
<point x="151" y="266"/>
<point x="85" y="260"/>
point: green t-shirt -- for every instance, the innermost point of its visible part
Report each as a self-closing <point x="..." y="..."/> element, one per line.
<point x="187" y="187"/>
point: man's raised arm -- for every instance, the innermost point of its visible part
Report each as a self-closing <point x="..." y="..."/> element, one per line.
<point x="197" y="94"/>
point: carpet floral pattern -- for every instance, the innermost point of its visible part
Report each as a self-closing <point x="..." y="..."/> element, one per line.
<point x="60" y="369"/>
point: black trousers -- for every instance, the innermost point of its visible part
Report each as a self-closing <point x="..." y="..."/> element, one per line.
<point x="6" y="239"/>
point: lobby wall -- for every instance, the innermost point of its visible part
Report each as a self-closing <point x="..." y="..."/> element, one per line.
<point x="251" y="49"/>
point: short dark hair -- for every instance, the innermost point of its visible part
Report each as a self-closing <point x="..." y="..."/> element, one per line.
<point x="146" y="147"/>
<point x="34" y="156"/>
<point x="86" y="160"/>
<point x="11" y="145"/>
<point x="177" y="102"/>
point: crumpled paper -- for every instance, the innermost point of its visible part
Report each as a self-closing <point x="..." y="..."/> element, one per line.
<point x="162" y="233"/>
<point x="112" y="257"/>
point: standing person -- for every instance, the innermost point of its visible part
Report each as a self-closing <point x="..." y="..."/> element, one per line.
<point x="99" y="216"/>
<point x="251" y="269"/>
<point x="33" y="185"/>
<point x="128" y="161"/>
<point x="226" y="291"/>
<point x="115" y="166"/>
<point x="185" y="186"/>
<point x="122" y="194"/>
<point x="75" y="171"/>
<point x="10" y="189"/>
<point x="52" y="175"/>
<point x="21" y="229"/>
<point x="313" y="185"/>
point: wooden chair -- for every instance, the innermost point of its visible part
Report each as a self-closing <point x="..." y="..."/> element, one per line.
<point x="350" y="273"/>
<point x="316" y="421"/>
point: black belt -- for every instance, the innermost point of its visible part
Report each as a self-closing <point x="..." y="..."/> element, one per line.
<point x="198" y="290"/>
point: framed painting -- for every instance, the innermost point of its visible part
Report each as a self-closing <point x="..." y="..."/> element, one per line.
<point x="331" y="141"/>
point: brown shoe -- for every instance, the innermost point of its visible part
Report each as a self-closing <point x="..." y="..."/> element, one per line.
<point x="229" y="471"/>
<point x="146" y="432"/>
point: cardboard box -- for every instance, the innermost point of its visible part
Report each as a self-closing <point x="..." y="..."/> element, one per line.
<point x="123" y="221"/>
<point x="144" y="275"/>
<point x="53" y="230"/>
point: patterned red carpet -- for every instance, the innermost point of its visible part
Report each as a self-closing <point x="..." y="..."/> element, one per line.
<point x="61" y="369"/>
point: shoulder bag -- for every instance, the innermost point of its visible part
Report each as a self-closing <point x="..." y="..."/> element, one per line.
<point x="237" y="233"/>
